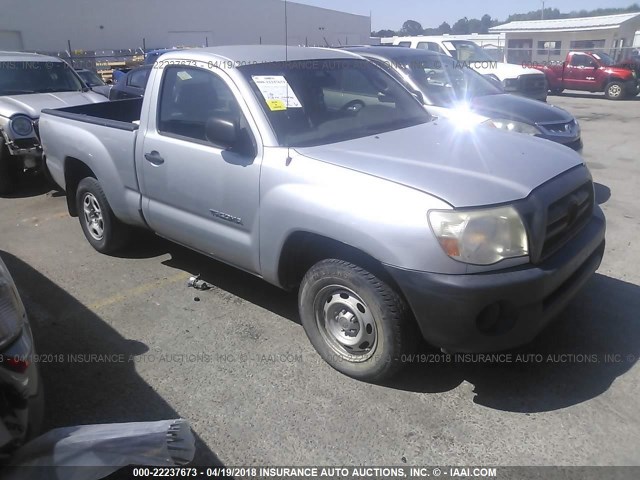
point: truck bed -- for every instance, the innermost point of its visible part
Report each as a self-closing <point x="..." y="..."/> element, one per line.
<point x="121" y="114"/>
<point x="103" y="137"/>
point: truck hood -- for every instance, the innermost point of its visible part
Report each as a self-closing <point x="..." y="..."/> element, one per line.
<point x="32" y="104"/>
<point x="508" y="70"/>
<point x="464" y="167"/>
<point x="521" y="109"/>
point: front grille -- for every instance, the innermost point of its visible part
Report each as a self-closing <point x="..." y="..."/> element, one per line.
<point x="566" y="217"/>
<point x="533" y="83"/>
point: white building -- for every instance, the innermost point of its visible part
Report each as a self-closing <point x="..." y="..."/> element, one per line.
<point x="51" y="26"/>
<point x="545" y="40"/>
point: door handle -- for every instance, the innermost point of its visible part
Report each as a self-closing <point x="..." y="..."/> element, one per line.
<point x="154" y="158"/>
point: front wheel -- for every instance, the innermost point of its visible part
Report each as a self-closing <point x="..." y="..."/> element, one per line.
<point x="615" y="90"/>
<point x="103" y="230"/>
<point x="356" y="322"/>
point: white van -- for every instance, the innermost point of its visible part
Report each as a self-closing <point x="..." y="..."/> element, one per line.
<point x="516" y="79"/>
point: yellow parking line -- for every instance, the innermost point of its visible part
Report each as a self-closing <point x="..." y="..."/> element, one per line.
<point x="139" y="290"/>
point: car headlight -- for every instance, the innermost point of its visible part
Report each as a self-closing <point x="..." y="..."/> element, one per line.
<point x="11" y="308"/>
<point x="21" y="125"/>
<point x="512" y="126"/>
<point x="480" y="237"/>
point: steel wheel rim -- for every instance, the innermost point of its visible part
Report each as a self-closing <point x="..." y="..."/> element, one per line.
<point x="615" y="90"/>
<point x="346" y="323"/>
<point x="93" y="216"/>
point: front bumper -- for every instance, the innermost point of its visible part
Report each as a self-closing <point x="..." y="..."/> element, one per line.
<point x="504" y="309"/>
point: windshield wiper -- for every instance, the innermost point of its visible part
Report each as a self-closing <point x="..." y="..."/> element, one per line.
<point x="53" y="90"/>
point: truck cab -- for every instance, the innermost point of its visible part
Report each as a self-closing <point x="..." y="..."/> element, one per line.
<point x="515" y="79"/>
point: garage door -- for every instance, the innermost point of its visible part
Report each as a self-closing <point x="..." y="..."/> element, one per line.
<point x="10" y="40"/>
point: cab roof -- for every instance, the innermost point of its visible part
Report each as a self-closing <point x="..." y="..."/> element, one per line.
<point x="26" y="57"/>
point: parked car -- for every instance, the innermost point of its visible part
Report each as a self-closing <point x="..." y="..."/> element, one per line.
<point x="21" y="397"/>
<point x="468" y="98"/>
<point x="591" y="72"/>
<point x="28" y="83"/>
<point x="318" y="172"/>
<point x="516" y="79"/>
<point x="131" y="85"/>
<point x="93" y="81"/>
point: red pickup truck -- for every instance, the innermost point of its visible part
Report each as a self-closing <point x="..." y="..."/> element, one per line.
<point x="591" y="72"/>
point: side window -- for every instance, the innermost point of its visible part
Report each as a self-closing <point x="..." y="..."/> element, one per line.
<point x="431" y="46"/>
<point x="582" y="61"/>
<point x="189" y="98"/>
<point x="404" y="44"/>
<point x="138" y="79"/>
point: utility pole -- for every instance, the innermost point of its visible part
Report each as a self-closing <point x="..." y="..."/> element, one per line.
<point x="542" y="10"/>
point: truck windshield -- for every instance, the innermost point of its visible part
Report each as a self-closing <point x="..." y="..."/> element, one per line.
<point x="318" y="102"/>
<point x="605" y="59"/>
<point x="91" y="78"/>
<point x="466" y="51"/>
<point x="18" y="78"/>
<point x="445" y="82"/>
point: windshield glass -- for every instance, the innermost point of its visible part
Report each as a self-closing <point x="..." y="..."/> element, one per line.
<point x="326" y="101"/>
<point x="91" y="78"/>
<point x="444" y="82"/>
<point x="37" y="77"/>
<point x="465" y="51"/>
<point x="606" y="60"/>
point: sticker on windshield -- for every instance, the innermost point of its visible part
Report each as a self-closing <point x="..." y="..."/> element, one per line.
<point x="277" y="92"/>
<point x="184" y="76"/>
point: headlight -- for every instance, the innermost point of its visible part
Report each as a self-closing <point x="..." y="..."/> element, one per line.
<point x="481" y="237"/>
<point x="11" y="308"/>
<point x="512" y="126"/>
<point x="21" y="125"/>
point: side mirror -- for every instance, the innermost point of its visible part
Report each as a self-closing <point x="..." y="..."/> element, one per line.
<point x="223" y="132"/>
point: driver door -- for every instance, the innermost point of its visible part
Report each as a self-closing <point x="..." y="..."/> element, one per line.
<point x="198" y="191"/>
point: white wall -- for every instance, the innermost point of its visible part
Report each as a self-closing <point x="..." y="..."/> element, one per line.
<point x="121" y="24"/>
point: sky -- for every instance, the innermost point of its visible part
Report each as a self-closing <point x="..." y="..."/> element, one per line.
<point x="392" y="14"/>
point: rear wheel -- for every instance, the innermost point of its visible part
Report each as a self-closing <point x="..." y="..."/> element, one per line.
<point x="100" y="226"/>
<point x="357" y="323"/>
<point x="615" y="90"/>
<point x="557" y="91"/>
<point x="7" y="172"/>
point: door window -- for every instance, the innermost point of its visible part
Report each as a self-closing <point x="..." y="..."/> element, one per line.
<point x="138" y="78"/>
<point x="189" y="98"/>
<point x="582" y="61"/>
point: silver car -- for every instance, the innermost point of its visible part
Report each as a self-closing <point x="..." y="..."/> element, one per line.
<point x="21" y="398"/>
<point x="29" y="83"/>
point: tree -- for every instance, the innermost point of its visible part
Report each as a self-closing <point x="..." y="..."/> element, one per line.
<point x="461" y="27"/>
<point x="474" y="26"/>
<point x="444" y="28"/>
<point x="411" y="28"/>
<point x="486" y="23"/>
<point x="383" y="33"/>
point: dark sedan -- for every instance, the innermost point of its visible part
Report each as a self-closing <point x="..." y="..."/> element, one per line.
<point x="132" y="85"/>
<point x="451" y="90"/>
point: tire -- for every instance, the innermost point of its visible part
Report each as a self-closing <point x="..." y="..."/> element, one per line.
<point x="7" y="174"/>
<point x="557" y="91"/>
<point x="356" y="322"/>
<point x="615" y="90"/>
<point x="102" y="229"/>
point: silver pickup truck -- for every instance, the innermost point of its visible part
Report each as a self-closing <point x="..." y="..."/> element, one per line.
<point x="315" y="170"/>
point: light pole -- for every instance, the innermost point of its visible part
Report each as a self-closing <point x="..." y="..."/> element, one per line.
<point x="542" y="10"/>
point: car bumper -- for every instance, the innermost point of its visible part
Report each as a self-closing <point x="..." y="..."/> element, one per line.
<point x="502" y="309"/>
<point x="573" y="143"/>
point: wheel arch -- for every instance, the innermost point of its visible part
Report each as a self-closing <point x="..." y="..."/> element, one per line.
<point x="74" y="171"/>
